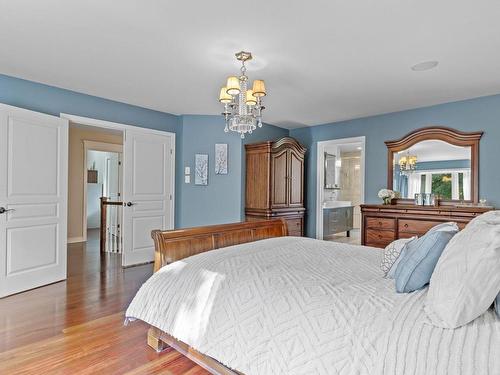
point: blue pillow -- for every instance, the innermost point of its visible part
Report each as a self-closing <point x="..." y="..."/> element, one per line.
<point x="419" y="258"/>
<point x="497" y="305"/>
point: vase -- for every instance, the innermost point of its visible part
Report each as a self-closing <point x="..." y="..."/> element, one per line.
<point x="387" y="200"/>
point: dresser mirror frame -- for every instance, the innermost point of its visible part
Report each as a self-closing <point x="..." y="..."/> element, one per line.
<point x="449" y="135"/>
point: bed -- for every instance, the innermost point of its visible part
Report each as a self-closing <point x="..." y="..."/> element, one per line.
<point x="245" y="298"/>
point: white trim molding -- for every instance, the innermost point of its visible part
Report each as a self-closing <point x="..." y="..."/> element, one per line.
<point x="76" y="239"/>
<point x="320" y="172"/>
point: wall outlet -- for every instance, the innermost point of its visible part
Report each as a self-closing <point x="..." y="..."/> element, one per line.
<point x="187" y="179"/>
<point x="187" y="170"/>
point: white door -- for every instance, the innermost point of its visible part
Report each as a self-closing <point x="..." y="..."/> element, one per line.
<point x="147" y="192"/>
<point x="33" y="199"/>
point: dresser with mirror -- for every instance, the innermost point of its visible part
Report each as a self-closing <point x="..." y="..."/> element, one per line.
<point x="435" y="162"/>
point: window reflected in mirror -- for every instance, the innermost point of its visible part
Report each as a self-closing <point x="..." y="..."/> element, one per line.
<point x="433" y="166"/>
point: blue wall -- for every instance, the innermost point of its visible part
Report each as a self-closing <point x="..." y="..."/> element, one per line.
<point x="52" y="100"/>
<point x="469" y="115"/>
<point x="219" y="201"/>
<point x="222" y="200"/>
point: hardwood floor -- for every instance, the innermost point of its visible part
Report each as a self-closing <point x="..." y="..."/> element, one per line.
<point x="76" y="326"/>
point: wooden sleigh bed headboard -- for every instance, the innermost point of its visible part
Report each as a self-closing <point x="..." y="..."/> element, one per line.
<point x="173" y="245"/>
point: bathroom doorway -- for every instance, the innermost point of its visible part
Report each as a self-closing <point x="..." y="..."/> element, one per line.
<point x="340" y="189"/>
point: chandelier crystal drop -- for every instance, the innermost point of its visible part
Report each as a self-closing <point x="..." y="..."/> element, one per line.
<point x="242" y="106"/>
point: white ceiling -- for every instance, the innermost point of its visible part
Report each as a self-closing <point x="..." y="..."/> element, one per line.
<point x="323" y="60"/>
<point x="435" y="150"/>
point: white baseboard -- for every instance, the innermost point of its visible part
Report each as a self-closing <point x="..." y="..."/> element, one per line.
<point x="76" y="239"/>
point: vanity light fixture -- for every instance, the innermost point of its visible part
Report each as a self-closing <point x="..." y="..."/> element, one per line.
<point x="242" y="106"/>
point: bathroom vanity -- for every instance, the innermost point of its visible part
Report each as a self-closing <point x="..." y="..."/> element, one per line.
<point x="337" y="218"/>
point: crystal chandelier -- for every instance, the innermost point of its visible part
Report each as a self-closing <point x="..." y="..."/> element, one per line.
<point x="407" y="164"/>
<point x="242" y="106"/>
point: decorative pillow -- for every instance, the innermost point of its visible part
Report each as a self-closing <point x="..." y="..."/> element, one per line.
<point x="391" y="254"/>
<point x="466" y="280"/>
<point x="419" y="258"/>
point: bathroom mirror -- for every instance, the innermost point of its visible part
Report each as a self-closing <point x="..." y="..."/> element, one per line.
<point x="330" y="182"/>
<point x="441" y="161"/>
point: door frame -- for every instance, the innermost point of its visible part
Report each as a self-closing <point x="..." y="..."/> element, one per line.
<point x="94" y="146"/>
<point x="123" y="127"/>
<point x="320" y="172"/>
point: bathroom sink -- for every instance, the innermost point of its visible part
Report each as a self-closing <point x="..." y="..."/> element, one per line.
<point x="336" y="204"/>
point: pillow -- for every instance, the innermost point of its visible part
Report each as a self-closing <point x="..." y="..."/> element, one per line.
<point x="419" y="258"/>
<point x="466" y="280"/>
<point x="491" y="217"/>
<point x="497" y="305"/>
<point x="391" y="254"/>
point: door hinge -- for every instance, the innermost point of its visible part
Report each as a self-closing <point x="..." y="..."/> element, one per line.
<point x="171" y="151"/>
<point x="119" y="163"/>
<point x="170" y="196"/>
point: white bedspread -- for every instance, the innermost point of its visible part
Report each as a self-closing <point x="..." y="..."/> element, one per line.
<point x="302" y="306"/>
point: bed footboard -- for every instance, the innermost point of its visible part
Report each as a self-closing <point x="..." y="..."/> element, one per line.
<point x="173" y="245"/>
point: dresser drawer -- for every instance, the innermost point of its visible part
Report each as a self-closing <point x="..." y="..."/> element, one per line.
<point x="379" y="238"/>
<point x="408" y="228"/>
<point x="419" y="227"/>
<point x="380" y="223"/>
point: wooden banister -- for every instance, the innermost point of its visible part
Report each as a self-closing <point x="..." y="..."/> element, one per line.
<point x="102" y="237"/>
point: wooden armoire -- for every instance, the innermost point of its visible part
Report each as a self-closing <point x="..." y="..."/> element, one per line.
<point x="275" y="182"/>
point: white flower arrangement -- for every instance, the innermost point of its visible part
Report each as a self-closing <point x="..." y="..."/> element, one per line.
<point x="387" y="195"/>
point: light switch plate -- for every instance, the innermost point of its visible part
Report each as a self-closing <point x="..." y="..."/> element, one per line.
<point x="187" y="179"/>
<point x="187" y="170"/>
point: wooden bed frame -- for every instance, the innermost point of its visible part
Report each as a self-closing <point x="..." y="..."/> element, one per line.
<point x="174" y="245"/>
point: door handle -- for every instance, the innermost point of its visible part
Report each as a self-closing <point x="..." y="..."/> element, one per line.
<point x="4" y="210"/>
<point x="129" y="204"/>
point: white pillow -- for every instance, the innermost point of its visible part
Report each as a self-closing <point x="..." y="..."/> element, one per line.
<point x="491" y="217"/>
<point x="466" y="279"/>
<point x="391" y="254"/>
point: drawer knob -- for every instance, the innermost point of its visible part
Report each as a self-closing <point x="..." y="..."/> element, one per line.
<point x="406" y="225"/>
<point x="380" y="223"/>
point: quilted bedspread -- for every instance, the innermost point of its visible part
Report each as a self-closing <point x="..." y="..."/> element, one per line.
<point x="301" y="306"/>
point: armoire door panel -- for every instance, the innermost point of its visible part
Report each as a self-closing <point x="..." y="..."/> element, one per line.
<point x="296" y="179"/>
<point x="257" y="180"/>
<point x="280" y="179"/>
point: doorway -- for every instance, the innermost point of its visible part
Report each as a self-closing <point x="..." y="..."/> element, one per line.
<point x="147" y="178"/>
<point x="104" y="204"/>
<point x="340" y="189"/>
